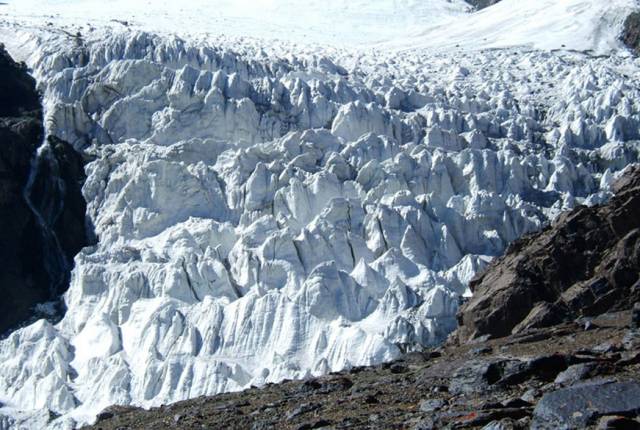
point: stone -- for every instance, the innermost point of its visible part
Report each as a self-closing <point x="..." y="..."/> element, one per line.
<point x="431" y="405"/>
<point x="371" y="400"/>
<point x="617" y="423"/>
<point x="335" y="384"/>
<point x="629" y="358"/>
<point x="580" y="405"/>
<point x="302" y="409"/>
<point x="425" y="424"/>
<point x="635" y="316"/>
<point x="481" y="350"/>
<point x="262" y="425"/>
<point x="479" y="418"/>
<point x="575" y="373"/>
<point x="104" y="415"/>
<point x="631" y="340"/>
<point x="607" y="348"/>
<point x="504" y="424"/>
<point x="314" y="425"/>
<point x="516" y="403"/>
<point x="398" y="368"/>
<point x="475" y="376"/>
<point x="530" y="395"/>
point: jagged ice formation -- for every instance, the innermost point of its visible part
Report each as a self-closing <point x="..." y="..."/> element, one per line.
<point x="263" y="215"/>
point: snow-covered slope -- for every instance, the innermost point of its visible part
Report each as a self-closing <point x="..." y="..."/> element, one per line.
<point x="303" y="21"/>
<point x="593" y="25"/>
<point x="269" y="211"/>
<point x="399" y="24"/>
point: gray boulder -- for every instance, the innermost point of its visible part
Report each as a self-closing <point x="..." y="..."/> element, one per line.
<point x="582" y="405"/>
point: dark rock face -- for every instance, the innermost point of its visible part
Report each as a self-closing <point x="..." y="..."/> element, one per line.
<point x="631" y="32"/>
<point x="42" y="221"/>
<point x="585" y="264"/>
<point x="481" y="4"/>
<point x="581" y="405"/>
<point x="17" y="88"/>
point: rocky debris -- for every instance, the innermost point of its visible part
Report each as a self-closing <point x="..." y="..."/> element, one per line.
<point x="513" y="385"/>
<point x="635" y="316"/>
<point x="36" y="248"/>
<point x="582" y="405"/>
<point x="531" y="285"/>
<point x="631" y="32"/>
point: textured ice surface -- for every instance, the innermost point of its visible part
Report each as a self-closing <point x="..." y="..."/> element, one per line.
<point x="270" y="212"/>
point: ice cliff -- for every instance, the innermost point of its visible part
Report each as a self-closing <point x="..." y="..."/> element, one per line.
<point x="264" y="214"/>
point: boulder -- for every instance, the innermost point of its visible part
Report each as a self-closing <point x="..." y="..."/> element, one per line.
<point x="581" y="405"/>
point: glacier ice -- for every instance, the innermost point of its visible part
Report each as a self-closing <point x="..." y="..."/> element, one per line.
<point x="270" y="215"/>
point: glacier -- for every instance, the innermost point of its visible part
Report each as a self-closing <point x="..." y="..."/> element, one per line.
<point x="266" y="212"/>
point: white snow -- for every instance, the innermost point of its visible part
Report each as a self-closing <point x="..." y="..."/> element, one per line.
<point x="393" y="24"/>
<point x="589" y="25"/>
<point x="303" y="21"/>
<point x="270" y="210"/>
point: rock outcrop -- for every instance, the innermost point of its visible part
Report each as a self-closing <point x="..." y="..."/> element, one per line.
<point x="585" y="264"/>
<point x="41" y="207"/>
<point x="631" y="32"/>
<point x="481" y="4"/>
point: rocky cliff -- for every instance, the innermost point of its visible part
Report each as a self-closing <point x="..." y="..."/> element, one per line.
<point x="631" y="32"/>
<point x="41" y="207"/>
<point x="585" y="264"/>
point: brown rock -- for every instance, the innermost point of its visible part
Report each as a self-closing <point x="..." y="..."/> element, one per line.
<point x="585" y="264"/>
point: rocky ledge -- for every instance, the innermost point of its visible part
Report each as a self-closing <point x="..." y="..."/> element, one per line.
<point x="550" y="340"/>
